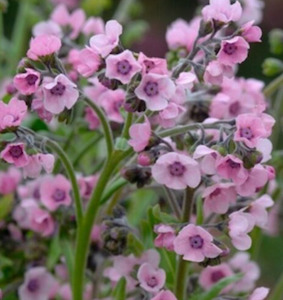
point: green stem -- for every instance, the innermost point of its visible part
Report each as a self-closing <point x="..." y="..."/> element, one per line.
<point x="127" y="125"/>
<point x="278" y="290"/>
<point x="121" y="14"/>
<point x="273" y="86"/>
<point x="104" y="123"/>
<point x="277" y="112"/>
<point x="172" y="202"/>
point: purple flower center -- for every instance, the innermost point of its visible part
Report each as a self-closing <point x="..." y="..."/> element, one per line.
<point x="31" y="79"/>
<point x="149" y="65"/>
<point x="230" y="48"/>
<point x="217" y="275"/>
<point x="152" y="281"/>
<point x="177" y="169"/>
<point x="117" y="105"/>
<point x="151" y="88"/>
<point x="59" y="195"/>
<point x="58" y="89"/>
<point x="234" y="108"/>
<point x="246" y="133"/>
<point x="33" y="285"/>
<point x="216" y="192"/>
<point x="16" y="151"/>
<point x="124" y="67"/>
<point x="232" y="164"/>
<point x="196" y="241"/>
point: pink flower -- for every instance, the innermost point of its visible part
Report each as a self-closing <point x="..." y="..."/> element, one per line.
<point x="12" y="114"/>
<point x="222" y="10"/>
<point x="153" y="64"/>
<point x="93" y="25"/>
<point x="14" y="153"/>
<point x="37" y="162"/>
<point x="195" y="244"/>
<point x="155" y="90"/>
<point x="240" y="225"/>
<point x="164" y="295"/>
<point x="231" y="167"/>
<point x="165" y="238"/>
<point x="42" y="222"/>
<point x="140" y="135"/>
<point x="55" y="191"/>
<point x="251" y="33"/>
<point x="176" y="171"/>
<point x="23" y="212"/>
<point x="94" y="91"/>
<point x="43" y="45"/>
<point x="104" y="43"/>
<point x="9" y="180"/>
<point x="27" y="83"/>
<point x="207" y="159"/>
<point x="88" y="62"/>
<point x="91" y="118"/>
<point x="60" y="93"/>
<point x="215" y="72"/>
<point x="259" y="293"/>
<point x="211" y="275"/>
<point x="87" y="184"/>
<point x="38" y="107"/>
<point x="233" y="51"/>
<point x="122" y="66"/>
<point x="218" y="197"/>
<point x="37" y="285"/>
<point x="168" y="117"/>
<point x="47" y="28"/>
<point x="151" y="279"/>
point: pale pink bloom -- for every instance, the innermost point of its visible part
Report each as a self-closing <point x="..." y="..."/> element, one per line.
<point x="16" y="233"/>
<point x="168" y="117"/>
<point x="59" y="94"/>
<point x="27" y="83"/>
<point x="240" y="224"/>
<point x="215" y="72"/>
<point x="47" y="27"/>
<point x="211" y="275"/>
<point x="176" y="171"/>
<point x="96" y="234"/>
<point x="272" y="226"/>
<point x="268" y="122"/>
<point x="150" y="256"/>
<point x="112" y="101"/>
<point x="153" y="64"/>
<point x="164" y="295"/>
<point x="65" y="292"/>
<point x="265" y="147"/>
<point x="73" y="57"/>
<point x="140" y="135"/>
<point x="241" y="263"/>
<point x="43" y="45"/>
<point x="155" y="90"/>
<point x="231" y="167"/>
<point x="257" y="178"/>
<point x="69" y="3"/>
<point x="252" y="10"/>
<point x="186" y="79"/>
<point x="12" y="114"/>
<point x="251" y="33"/>
<point x="37" y="162"/>
<point x="14" y="153"/>
<point x="38" y="106"/>
<point x="55" y="191"/>
<point x="259" y="293"/>
<point x="96" y="89"/>
<point x="9" y="180"/>
<point x="233" y="51"/>
<point x="61" y="272"/>
<point x="41" y="222"/>
<point x="195" y="244"/>
<point x="75" y="20"/>
<point x="150" y="278"/>
<point x="91" y="118"/>
<point x="122" y="66"/>
<point x="207" y="159"/>
<point x="104" y="43"/>
<point x="218" y="197"/>
<point x="39" y="284"/>
<point x="23" y="211"/>
<point x="165" y="238"/>
<point x="88" y="62"/>
<point x="93" y="25"/>
<point x="222" y="11"/>
<point x="31" y="189"/>
<point x="87" y="184"/>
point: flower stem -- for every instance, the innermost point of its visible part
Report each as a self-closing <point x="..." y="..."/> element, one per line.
<point x="127" y="125"/>
<point x="173" y="202"/>
<point x="273" y="86"/>
<point x="278" y="290"/>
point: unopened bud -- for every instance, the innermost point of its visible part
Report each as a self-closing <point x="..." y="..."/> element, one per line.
<point x="272" y="66"/>
<point x="276" y="41"/>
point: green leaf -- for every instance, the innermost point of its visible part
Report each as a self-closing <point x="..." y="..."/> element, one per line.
<point x="161" y="216"/>
<point x="55" y="252"/>
<point x="6" y="205"/>
<point x="134" y="245"/>
<point x="119" y="292"/>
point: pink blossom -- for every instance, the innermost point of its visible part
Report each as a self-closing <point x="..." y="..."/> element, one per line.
<point x="164" y="295"/>
<point x="91" y="118"/>
<point x="240" y="224"/>
<point x="265" y="147"/>
<point x="55" y="191"/>
<point x="207" y="159"/>
<point x="122" y="66"/>
<point x="155" y="90"/>
<point x="222" y="11"/>
<point x="215" y="72"/>
<point x="169" y="116"/>
<point x="93" y="25"/>
<point x="218" y="197"/>
<point x="43" y="45"/>
<point x="38" y="106"/>
<point x="88" y="62"/>
<point x="104" y="43"/>
<point x="259" y="293"/>
<point x="59" y="93"/>
<point x="41" y="222"/>
<point x="87" y="184"/>
<point x="23" y="212"/>
<point x="9" y="180"/>
<point x="27" y="83"/>
<point x="96" y="89"/>
<point x="37" y="162"/>
<point x="14" y="153"/>
<point x="150" y="256"/>
<point x="233" y="51"/>
<point x="176" y="171"/>
<point x="153" y="65"/>
<point x="140" y="135"/>
<point x="195" y="244"/>
<point x="151" y="279"/>
<point x="12" y="114"/>
<point x="252" y="10"/>
<point x="251" y="33"/>
<point x="48" y="28"/>
<point x="38" y="285"/>
<point x="165" y="238"/>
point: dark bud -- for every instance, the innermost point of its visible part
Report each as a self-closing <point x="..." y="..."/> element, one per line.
<point x="252" y="158"/>
<point x="211" y="262"/>
<point x="111" y="84"/>
<point x="199" y="112"/>
<point x="136" y="174"/>
<point x="66" y="116"/>
<point x="115" y="240"/>
<point x="205" y="28"/>
<point x="135" y="105"/>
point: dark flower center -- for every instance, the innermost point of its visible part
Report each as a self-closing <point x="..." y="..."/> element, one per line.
<point x="59" y="195"/>
<point x="149" y="65"/>
<point x="16" y="151"/>
<point x="246" y="133"/>
<point x="152" y="281"/>
<point x="31" y="79"/>
<point x="217" y="275"/>
<point x="230" y="48"/>
<point x="232" y="164"/>
<point x="216" y="192"/>
<point x="234" y="108"/>
<point x="196" y="241"/>
<point x="151" y="88"/>
<point x="58" y="89"/>
<point x="177" y="169"/>
<point x="33" y="285"/>
<point x="124" y="67"/>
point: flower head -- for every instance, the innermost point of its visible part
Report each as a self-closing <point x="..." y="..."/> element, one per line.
<point x="27" y="83"/>
<point x="140" y="135"/>
<point x="14" y="153"/>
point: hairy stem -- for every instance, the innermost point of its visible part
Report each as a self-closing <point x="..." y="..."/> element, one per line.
<point x="173" y="202"/>
<point x="273" y="86"/>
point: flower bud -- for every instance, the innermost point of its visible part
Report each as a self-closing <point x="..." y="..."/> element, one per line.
<point x="139" y="175"/>
<point x="133" y="105"/>
<point x="276" y="41"/>
<point x="199" y="112"/>
<point x="251" y="159"/>
<point x="272" y="66"/>
<point x="115" y="240"/>
<point x="205" y="28"/>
